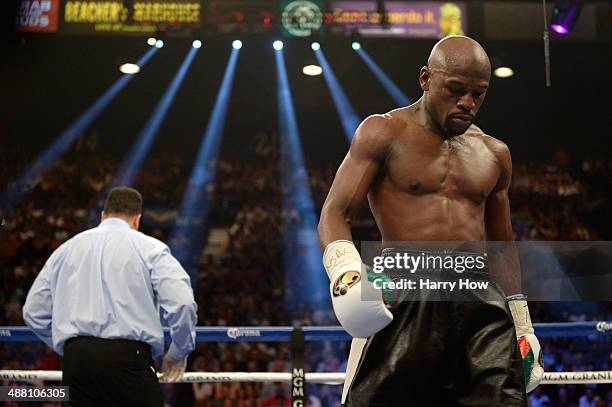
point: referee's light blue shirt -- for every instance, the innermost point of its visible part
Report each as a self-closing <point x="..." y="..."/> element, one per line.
<point x="110" y="282"/>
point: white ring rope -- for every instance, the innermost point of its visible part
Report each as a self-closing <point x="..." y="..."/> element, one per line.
<point x="600" y="377"/>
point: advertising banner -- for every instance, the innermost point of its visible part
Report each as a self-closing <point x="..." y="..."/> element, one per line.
<point x="38" y="15"/>
<point x="425" y="19"/>
<point x="143" y="16"/>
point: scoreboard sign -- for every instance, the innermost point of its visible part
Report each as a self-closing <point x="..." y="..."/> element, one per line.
<point x="144" y="16"/>
<point x="38" y="15"/>
<point x="301" y="18"/>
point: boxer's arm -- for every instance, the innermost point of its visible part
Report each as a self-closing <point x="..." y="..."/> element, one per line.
<point x="505" y="266"/>
<point x="354" y="178"/>
<point x="341" y="259"/>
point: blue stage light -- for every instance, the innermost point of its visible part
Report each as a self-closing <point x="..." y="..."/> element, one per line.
<point x="302" y="254"/>
<point x="132" y="163"/>
<point x="392" y="89"/>
<point x="187" y="237"/>
<point x="348" y="117"/>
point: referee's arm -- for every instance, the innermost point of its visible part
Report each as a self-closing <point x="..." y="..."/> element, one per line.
<point x="173" y="288"/>
<point x="38" y="306"/>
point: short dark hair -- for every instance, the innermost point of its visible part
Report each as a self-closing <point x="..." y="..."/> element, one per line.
<point x="124" y="201"/>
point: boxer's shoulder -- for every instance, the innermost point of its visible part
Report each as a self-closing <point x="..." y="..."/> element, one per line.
<point x="386" y="127"/>
<point x="407" y="123"/>
<point x="379" y="125"/>
<point x="493" y="146"/>
<point x="375" y="135"/>
<point x="404" y="116"/>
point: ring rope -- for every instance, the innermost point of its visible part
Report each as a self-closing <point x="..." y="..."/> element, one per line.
<point x="320" y="333"/>
<point x="599" y="377"/>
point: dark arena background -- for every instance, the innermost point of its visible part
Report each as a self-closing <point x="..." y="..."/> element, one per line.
<point x="232" y="117"/>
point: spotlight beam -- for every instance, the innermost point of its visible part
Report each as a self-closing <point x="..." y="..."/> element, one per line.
<point x="140" y="148"/>
<point x="189" y="232"/>
<point x="22" y="185"/>
<point x="348" y="117"/>
<point x="302" y="254"/>
<point x="392" y="89"/>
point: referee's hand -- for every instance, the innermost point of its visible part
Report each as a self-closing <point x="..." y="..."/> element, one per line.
<point x="172" y="369"/>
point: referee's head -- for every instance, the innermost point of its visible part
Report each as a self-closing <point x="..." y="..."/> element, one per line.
<point x="124" y="203"/>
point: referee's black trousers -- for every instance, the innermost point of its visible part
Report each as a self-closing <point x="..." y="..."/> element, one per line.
<point x="110" y="372"/>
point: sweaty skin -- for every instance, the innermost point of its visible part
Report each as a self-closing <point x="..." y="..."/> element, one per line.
<point x="427" y="172"/>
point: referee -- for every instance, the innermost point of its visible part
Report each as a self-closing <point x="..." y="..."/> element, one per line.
<point x="97" y="302"/>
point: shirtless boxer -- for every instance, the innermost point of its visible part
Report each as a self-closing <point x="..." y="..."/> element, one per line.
<point x="429" y="174"/>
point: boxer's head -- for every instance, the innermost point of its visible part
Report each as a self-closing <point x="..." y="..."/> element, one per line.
<point x="455" y="82"/>
<point x="124" y="203"/>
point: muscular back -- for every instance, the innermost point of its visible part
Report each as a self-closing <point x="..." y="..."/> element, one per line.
<point x="419" y="186"/>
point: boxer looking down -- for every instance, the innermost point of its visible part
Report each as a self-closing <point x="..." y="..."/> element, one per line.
<point x="429" y="174"/>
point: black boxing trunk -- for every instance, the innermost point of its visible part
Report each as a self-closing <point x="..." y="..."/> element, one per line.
<point x="441" y="350"/>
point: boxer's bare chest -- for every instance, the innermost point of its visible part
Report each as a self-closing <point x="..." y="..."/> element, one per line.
<point x="420" y="163"/>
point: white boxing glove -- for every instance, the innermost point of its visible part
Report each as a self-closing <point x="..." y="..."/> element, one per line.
<point x="360" y="318"/>
<point x="531" y="352"/>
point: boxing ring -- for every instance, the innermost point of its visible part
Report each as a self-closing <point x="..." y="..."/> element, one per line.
<point x="297" y="338"/>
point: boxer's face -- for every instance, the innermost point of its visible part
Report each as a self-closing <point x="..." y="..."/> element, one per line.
<point x="454" y="97"/>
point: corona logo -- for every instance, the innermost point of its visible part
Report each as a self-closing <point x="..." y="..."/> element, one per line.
<point x="240" y="332"/>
